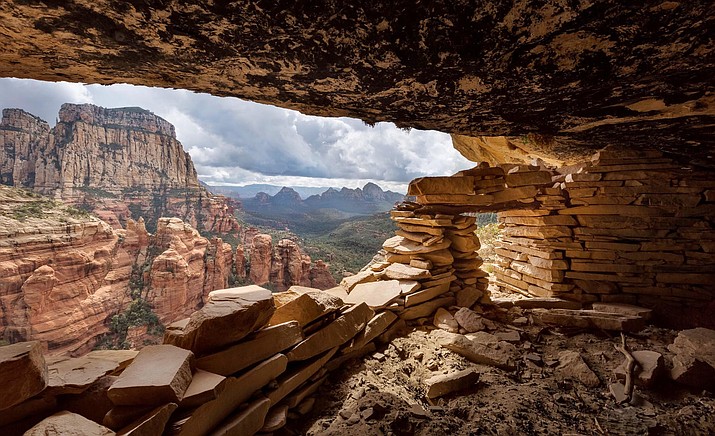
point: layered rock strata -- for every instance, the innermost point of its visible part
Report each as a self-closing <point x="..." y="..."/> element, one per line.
<point x="119" y="163"/>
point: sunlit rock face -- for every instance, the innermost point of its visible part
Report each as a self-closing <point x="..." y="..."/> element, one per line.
<point x="119" y="163"/>
<point x="581" y="74"/>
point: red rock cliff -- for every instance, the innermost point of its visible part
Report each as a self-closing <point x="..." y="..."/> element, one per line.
<point x="120" y="163"/>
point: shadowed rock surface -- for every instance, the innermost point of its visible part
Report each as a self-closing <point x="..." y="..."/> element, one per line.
<point x="557" y="78"/>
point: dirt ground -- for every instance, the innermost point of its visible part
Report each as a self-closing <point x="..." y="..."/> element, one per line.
<point x="384" y="393"/>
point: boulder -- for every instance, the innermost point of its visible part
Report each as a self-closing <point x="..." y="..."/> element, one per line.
<point x="68" y="424"/>
<point x="694" y="360"/>
<point x="445" y="321"/>
<point x="334" y="334"/>
<point x="257" y="347"/>
<point x="572" y="366"/>
<point x="23" y="372"/>
<point x="444" y="384"/>
<point x="228" y="316"/>
<point x="469" y="320"/>
<point x="159" y="374"/>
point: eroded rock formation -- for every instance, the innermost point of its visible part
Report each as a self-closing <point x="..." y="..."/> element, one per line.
<point x="119" y="163"/>
<point x="284" y="264"/>
<point x="64" y="274"/>
<point x="584" y="73"/>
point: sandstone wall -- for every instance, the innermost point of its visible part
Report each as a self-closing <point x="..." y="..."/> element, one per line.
<point x="20" y="136"/>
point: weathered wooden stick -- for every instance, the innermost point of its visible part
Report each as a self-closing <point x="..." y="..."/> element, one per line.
<point x="630" y="368"/>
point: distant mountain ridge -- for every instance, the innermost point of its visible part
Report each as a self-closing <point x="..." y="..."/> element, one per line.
<point x="250" y="191"/>
<point x="367" y="200"/>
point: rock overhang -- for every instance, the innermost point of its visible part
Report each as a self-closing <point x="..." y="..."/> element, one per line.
<point x="557" y="80"/>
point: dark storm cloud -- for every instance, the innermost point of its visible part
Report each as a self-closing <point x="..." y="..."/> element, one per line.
<point x="236" y="141"/>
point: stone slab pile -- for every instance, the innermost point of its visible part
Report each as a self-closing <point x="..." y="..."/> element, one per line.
<point x="240" y="365"/>
<point x="431" y="262"/>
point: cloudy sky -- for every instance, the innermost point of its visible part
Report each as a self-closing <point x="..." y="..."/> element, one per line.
<point x="233" y="141"/>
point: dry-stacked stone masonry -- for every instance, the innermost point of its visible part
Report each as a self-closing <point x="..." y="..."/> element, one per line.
<point x="627" y="227"/>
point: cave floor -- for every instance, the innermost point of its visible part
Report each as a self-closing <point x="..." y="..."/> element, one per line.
<point x="384" y="393"/>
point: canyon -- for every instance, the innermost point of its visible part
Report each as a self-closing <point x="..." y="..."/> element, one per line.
<point x="106" y="214"/>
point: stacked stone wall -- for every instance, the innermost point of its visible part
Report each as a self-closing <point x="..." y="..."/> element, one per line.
<point x="631" y="227"/>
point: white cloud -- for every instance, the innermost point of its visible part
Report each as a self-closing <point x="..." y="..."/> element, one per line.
<point x="241" y="142"/>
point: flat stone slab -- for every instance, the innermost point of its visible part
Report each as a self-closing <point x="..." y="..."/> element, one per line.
<point x="590" y="319"/>
<point x="425" y="309"/>
<point x="159" y="374"/>
<point x="547" y="303"/>
<point x="23" y="372"/>
<point x="290" y="381"/>
<point x="468" y="297"/>
<point x="374" y="328"/>
<point x="492" y="352"/>
<point x="444" y="384"/>
<point x="400" y="245"/>
<point x="572" y="366"/>
<point x="334" y="334"/>
<point x="276" y="419"/>
<point x="75" y="375"/>
<point x="228" y="316"/>
<point x="362" y="277"/>
<point x="409" y="286"/>
<point x="68" y="424"/>
<point x="153" y="423"/>
<point x="375" y="294"/>
<point x="426" y="294"/>
<point x="247" y="421"/>
<point x="303" y="307"/>
<point x="236" y="392"/>
<point x="255" y="348"/>
<point x="205" y="386"/>
<point x="622" y="309"/>
<point x="399" y="271"/>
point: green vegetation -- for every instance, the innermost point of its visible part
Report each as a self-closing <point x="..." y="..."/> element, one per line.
<point x="139" y="313"/>
<point x="33" y="209"/>
<point x="96" y="192"/>
<point x="352" y="244"/>
<point x="487" y="234"/>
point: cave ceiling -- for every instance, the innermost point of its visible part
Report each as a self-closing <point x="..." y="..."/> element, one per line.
<point x="562" y="78"/>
